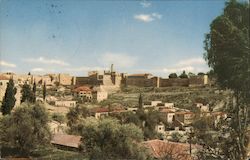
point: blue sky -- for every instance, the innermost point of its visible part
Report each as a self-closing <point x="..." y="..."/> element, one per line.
<point x="75" y="36"/>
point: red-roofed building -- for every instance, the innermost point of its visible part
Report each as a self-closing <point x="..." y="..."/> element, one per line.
<point x="99" y="112"/>
<point x="171" y="150"/>
<point x="83" y="92"/>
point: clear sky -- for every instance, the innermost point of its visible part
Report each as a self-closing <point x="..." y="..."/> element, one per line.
<point x="75" y="36"/>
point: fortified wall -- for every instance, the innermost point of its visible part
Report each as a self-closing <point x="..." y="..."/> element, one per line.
<point x="107" y="80"/>
<point x="49" y="79"/>
<point x="147" y="81"/>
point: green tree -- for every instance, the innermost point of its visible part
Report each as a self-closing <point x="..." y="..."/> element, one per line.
<point x="183" y="75"/>
<point x="58" y="117"/>
<point x="26" y="128"/>
<point x="140" y="102"/>
<point x="176" y="137"/>
<point x="74" y="115"/>
<point x="190" y="74"/>
<point x="201" y="74"/>
<point x="172" y="75"/>
<point x="228" y="54"/>
<point x="108" y="139"/>
<point x="44" y="91"/>
<point x="34" y="93"/>
<point x="26" y="93"/>
<point x="9" y="99"/>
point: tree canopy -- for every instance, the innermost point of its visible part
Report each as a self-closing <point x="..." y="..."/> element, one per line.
<point x="172" y="75"/>
<point x="183" y="75"/>
<point x="26" y="93"/>
<point x="44" y="91"/>
<point x="26" y="128"/>
<point x="228" y="54"/>
<point x="227" y="46"/>
<point x="9" y="99"/>
<point x="108" y="139"/>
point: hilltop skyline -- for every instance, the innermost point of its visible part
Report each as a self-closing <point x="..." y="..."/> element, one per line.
<point x="75" y="37"/>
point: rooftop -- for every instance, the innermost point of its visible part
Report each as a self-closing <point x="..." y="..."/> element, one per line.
<point x="99" y="110"/>
<point x="82" y="88"/>
<point x="66" y="140"/>
<point x="183" y="112"/>
<point x="140" y="75"/>
<point x="162" y="149"/>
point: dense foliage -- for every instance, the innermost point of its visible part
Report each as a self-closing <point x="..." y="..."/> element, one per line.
<point x="27" y="95"/>
<point x="228" y="54"/>
<point x="172" y="75"/>
<point x="25" y="129"/>
<point x="9" y="99"/>
<point x="183" y="75"/>
<point x="108" y="139"/>
<point x="44" y="91"/>
<point x="75" y="115"/>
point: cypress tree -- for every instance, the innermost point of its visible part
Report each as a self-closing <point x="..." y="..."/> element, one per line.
<point x="140" y="102"/>
<point x="34" y="93"/>
<point x="44" y="91"/>
<point x="9" y="99"/>
<point x="26" y="93"/>
<point x="183" y="75"/>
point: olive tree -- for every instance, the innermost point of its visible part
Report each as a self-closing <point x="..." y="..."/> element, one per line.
<point x="25" y="129"/>
<point x="228" y="54"/>
<point x="108" y="139"/>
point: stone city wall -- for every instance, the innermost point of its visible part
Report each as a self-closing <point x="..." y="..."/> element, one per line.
<point x="166" y="82"/>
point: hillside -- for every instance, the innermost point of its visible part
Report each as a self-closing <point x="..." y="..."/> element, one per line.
<point x="182" y="97"/>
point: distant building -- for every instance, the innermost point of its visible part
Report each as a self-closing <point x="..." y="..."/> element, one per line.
<point x="99" y="112"/>
<point x="155" y="103"/>
<point x="169" y="105"/>
<point x="202" y="107"/>
<point x="84" y="92"/>
<point x="167" y="114"/>
<point x="184" y="117"/>
<point x="108" y="79"/>
<point x="65" y="79"/>
<point x="101" y="95"/>
<point x="65" y="103"/>
<point x="160" y="128"/>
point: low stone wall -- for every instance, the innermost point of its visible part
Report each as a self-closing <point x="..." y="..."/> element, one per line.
<point x="165" y="82"/>
<point x="139" y="82"/>
<point x="174" y="82"/>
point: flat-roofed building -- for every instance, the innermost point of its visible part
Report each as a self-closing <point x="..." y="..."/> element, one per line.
<point x="184" y="117"/>
<point x="167" y="114"/>
<point x="65" y="103"/>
